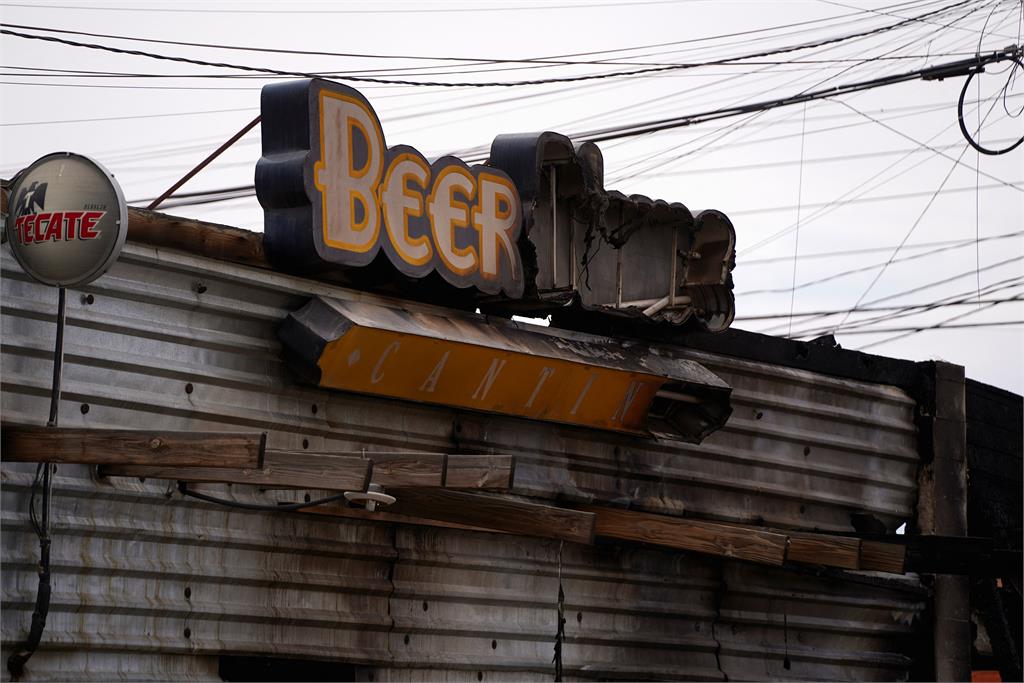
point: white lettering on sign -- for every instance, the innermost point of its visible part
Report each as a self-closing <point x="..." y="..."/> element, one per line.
<point x="430" y="383"/>
<point x="461" y="222"/>
<point x="627" y="401"/>
<point x="378" y="370"/>
<point x="545" y="372"/>
<point x="488" y="381"/>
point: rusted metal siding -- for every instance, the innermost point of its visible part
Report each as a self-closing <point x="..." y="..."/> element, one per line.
<point x="154" y="587"/>
<point x="800" y="450"/>
<point x="305" y="586"/>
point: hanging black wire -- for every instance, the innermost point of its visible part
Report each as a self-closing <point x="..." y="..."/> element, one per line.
<point x="285" y="507"/>
<point x="1015" y="58"/>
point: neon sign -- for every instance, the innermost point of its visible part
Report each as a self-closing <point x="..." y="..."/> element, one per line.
<point x="335" y="194"/>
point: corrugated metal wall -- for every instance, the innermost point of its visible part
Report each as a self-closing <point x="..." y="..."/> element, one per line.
<point x="801" y="450"/>
<point x="144" y="583"/>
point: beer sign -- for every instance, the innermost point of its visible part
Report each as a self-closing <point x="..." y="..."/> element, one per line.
<point x="67" y="220"/>
<point x="335" y="194"/>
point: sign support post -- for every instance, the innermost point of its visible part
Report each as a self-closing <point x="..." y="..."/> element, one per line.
<point x="67" y="223"/>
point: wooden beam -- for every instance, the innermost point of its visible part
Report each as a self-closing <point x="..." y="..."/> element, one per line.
<point x="491" y="472"/>
<point x="298" y="470"/>
<point x="830" y="551"/>
<point x="496" y="512"/>
<point x="742" y="543"/>
<point x="212" y="240"/>
<point x="876" y="556"/>
<point x="132" y="447"/>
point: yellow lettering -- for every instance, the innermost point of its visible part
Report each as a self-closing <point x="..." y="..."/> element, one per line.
<point x="447" y="213"/>
<point x="398" y="204"/>
<point x="496" y="219"/>
<point x="343" y="186"/>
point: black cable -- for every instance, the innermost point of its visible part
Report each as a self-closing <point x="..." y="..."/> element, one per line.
<point x="472" y="60"/>
<point x="862" y="269"/>
<point x="960" y="112"/>
<point x="873" y="250"/>
<point x="1002" y="285"/>
<point x="185" y="491"/>
<point x="939" y="326"/>
<point x="970" y="301"/>
<point x="505" y="84"/>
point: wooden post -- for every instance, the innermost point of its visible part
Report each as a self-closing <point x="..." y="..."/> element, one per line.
<point x="942" y="511"/>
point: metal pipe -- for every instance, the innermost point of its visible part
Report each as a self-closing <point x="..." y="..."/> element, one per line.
<point x="672" y="284"/>
<point x="676" y="396"/>
<point x="554" y="226"/>
<point x="203" y="164"/>
<point x="657" y="305"/>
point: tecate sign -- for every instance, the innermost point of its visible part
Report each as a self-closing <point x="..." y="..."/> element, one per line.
<point x="335" y="194"/>
<point x="67" y="220"/>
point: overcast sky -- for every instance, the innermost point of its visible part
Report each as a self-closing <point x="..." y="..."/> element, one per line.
<point x="878" y="168"/>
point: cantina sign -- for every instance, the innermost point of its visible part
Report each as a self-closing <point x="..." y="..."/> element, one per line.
<point x="335" y="194"/>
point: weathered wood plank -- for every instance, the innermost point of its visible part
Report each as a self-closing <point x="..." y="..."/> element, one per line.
<point x="403" y="470"/>
<point x="381" y="515"/>
<point x="494" y="472"/>
<point x="132" y="447"/>
<point x="743" y="543"/>
<point x="821" y="549"/>
<point x="876" y="556"/>
<point x="436" y="470"/>
<point x="213" y="240"/>
<point x="285" y="470"/>
<point x="495" y="512"/>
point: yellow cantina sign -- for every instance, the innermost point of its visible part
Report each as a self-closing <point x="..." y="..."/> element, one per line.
<point x="463" y="360"/>
<point x="431" y="370"/>
<point x="335" y="194"/>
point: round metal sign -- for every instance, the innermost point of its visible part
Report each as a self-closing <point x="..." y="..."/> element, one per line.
<point x="67" y="220"/>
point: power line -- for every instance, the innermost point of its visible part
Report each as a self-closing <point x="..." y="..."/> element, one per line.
<point x="445" y="57"/>
<point x="917" y="221"/>
<point x="870" y="309"/>
<point x="126" y="118"/>
<point x="703" y="170"/>
<point x="873" y="250"/>
<point x="939" y="326"/>
<point x="929" y="73"/>
<point x="1015" y="185"/>
<point x="834" y="204"/>
<point x="943" y="325"/>
<point x="911" y="311"/>
<point x="863" y="269"/>
<point x="1001" y="285"/>
<point x="421" y="10"/>
<point x="566" y="79"/>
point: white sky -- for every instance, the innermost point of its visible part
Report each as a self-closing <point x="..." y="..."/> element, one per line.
<point x="158" y="128"/>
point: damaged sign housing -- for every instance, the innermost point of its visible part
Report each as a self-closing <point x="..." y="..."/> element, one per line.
<point x="464" y="360"/>
<point x="530" y="231"/>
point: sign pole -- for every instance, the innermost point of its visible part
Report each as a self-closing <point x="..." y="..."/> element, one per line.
<point x="58" y="356"/>
<point x="66" y="226"/>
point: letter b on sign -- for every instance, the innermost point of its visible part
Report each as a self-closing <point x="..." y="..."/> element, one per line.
<point x="352" y="150"/>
